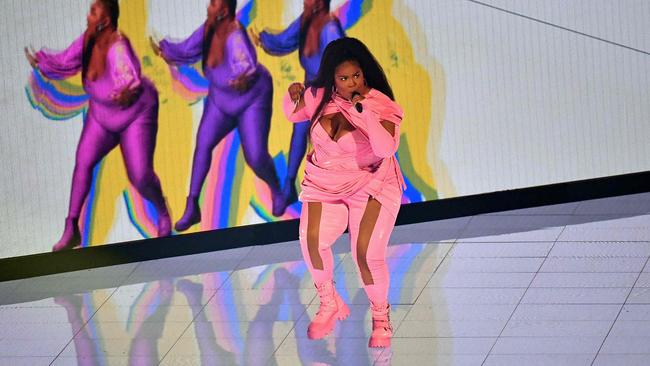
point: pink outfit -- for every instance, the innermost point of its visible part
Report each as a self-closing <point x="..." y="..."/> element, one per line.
<point x="344" y="174"/>
<point x="332" y="308"/>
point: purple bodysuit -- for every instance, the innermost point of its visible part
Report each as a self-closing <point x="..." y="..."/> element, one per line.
<point x="109" y="124"/>
<point x="227" y="108"/>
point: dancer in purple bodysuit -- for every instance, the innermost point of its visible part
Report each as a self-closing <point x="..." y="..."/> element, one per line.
<point x="240" y="95"/>
<point x="122" y="110"/>
<point x="309" y="34"/>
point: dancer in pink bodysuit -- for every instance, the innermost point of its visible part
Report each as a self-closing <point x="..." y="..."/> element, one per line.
<point x="122" y="110"/>
<point x="352" y="178"/>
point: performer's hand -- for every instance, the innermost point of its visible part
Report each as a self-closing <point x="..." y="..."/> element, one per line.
<point x="255" y="36"/>
<point x="126" y="97"/>
<point x="296" y="91"/>
<point x="155" y="47"/>
<point x="356" y="98"/>
<point x="241" y="83"/>
<point x="31" y="57"/>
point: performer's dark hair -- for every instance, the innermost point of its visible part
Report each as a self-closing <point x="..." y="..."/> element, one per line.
<point x="112" y="7"/>
<point x="232" y="7"/>
<point x="209" y="34"/>
<point x="348" y="49"/>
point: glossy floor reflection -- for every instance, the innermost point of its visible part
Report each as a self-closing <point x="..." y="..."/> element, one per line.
<point x="563" y="285"/>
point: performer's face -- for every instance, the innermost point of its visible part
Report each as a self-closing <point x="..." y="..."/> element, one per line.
<point x="97" y="15"/>
<point x="217" y="8"/>
<point x="348" y="78"/>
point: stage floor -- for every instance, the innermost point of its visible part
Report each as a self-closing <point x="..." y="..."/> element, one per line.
<point x="556" y="285"/>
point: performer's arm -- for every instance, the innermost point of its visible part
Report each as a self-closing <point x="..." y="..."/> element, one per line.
<point x="60" y="65"/>
<point x="382" y="129"/>
<point x="126" y="75"/>
<point x="281" y="43"/>
<point x="187" y="51"/>
<point x="242" y="62"/>
<point x="294" y="105"/>
<point x="330" y="32"/>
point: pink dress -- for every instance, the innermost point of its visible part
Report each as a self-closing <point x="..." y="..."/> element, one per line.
<point x="361" y="161"/>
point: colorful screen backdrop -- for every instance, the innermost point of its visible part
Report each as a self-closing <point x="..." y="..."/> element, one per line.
<point x="497" y="95"/>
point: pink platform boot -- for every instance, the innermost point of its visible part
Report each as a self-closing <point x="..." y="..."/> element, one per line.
<point x="382" y="330"/>
<point x="331" y="308"/>
<point x="71" y="236"/>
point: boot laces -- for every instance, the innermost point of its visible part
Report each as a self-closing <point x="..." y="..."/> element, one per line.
<point x="381" y="317"/>
<point x="327" y="297"/>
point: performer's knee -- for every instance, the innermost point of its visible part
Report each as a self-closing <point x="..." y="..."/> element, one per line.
<point x="203" y="147"/>
<point x="313" y="247"/>
<point x="364" y="265"/>
<point x="83" y="163"/>
<point x="257" y="160"/>
<point x="142" y="180"/>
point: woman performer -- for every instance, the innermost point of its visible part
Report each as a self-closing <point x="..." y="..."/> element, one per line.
<point x="352" y="178"/>
<point x="240" y="95"/>
<point x="122" y="110"/>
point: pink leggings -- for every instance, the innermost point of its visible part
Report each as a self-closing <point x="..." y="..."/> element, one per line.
<point x="370" y="226"/>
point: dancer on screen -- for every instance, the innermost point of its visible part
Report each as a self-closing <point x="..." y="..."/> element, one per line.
<point x="240" y="95"/>
<point x="123" y="110"/>
<point x="309" y="34"/>
<point x="352" y="178"/>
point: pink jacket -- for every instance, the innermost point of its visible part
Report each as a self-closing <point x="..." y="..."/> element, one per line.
<point x="363" y="159"/>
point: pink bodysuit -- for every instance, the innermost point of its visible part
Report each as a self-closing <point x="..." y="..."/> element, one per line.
<point x="343" y="175"/>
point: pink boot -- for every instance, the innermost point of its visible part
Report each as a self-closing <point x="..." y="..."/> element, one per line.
<point x="71" y="236"/>
<point x="191" y="216"/>
<point x="382" y="331"/>
<point x="331" y="308"/>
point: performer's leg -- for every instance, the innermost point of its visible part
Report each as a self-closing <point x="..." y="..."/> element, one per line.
<point x="95" y="142"/>
<point x="320" y="225"/>
<point x="297" y="151"/>
<point x="138" y="143"/>
<point x="254" y="126"/>
<point x="370" y="229"/>
<point x="205" y="336"/>
<point x="214" y="126"/>
<point x="85" y="346"/>
<point x="149" y="329"/>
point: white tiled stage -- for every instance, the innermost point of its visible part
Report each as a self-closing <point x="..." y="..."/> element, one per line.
<point x="558" y="285"/>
